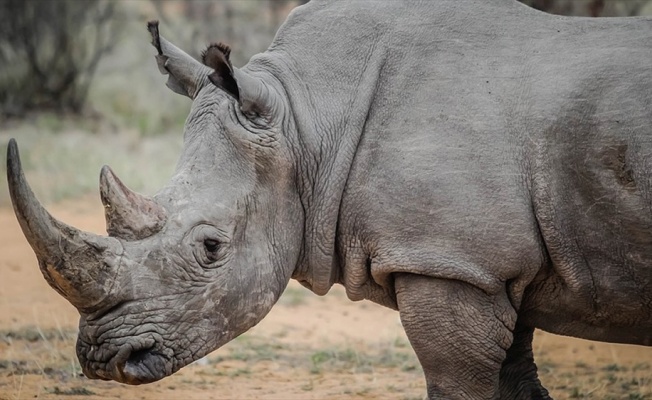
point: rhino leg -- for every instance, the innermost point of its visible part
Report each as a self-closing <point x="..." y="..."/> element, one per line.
<point x="518" y="375"/>
<point x="459" y="333"/>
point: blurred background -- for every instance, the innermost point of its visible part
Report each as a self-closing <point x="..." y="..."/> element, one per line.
<point x="79" y="87"/>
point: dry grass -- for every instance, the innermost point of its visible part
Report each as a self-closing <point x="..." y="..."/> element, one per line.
<point x="343" y="370"/>
<point x="60" y="166"/>
<point x="582" y="369"/>
<point x="337" y="369"/>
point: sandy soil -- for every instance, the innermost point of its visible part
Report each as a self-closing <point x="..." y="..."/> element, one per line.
<point x="308" y="347"/>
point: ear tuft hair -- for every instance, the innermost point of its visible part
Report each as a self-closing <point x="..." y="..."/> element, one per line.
<point x="216" y="56"/>
<point x="225" y="49"/>
<point x="152" y="27"/>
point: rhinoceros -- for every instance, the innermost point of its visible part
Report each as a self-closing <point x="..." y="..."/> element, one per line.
<point x="479" y="166"/>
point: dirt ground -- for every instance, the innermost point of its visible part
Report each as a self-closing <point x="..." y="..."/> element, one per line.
<point x="308" y="347"/>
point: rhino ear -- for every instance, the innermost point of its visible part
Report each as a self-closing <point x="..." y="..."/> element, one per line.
<point x="186" y="75"/>
<point x="217" y="57"/>
<point x="251" y="93"/>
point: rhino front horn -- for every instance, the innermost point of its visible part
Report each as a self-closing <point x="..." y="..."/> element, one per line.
<point x="129" y="215"/>
<point x="79" y="265"/>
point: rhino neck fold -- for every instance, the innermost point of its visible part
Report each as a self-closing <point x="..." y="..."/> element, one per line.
<point x="330" y="104"/>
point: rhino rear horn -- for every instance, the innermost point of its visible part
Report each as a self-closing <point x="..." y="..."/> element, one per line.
<point x="129" y="215"/>
<point x="81" y="266"/>
<point x="186" y="75"/>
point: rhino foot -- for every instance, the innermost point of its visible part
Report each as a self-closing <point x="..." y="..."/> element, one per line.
<point x="518" y="374"/>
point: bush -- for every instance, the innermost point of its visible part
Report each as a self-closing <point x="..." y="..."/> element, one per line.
<point x="49" y="51"/>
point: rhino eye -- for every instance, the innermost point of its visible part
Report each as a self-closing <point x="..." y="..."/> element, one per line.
<point x="212" y="246"/>
<point x="209" y="246"/>
<point x="210" y="252"/>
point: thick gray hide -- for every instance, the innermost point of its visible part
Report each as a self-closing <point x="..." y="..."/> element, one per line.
<point x="480" y="141"/>
<point x="478" y="165"/>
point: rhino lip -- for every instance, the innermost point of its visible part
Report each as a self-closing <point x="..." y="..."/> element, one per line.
<point x="141" y="366"/>
<point x="133" y="364"/>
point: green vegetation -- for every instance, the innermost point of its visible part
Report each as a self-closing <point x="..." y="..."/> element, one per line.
<point x="64" y="166"/>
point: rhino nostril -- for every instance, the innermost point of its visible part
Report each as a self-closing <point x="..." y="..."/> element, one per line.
<point x="138" y="356"/>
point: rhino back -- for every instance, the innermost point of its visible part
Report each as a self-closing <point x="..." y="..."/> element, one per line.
<point x="439" y="184"/>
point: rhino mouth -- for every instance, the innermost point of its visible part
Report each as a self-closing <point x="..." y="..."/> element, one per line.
<point x="144" y="366"/>
<point x="132" y="365"/>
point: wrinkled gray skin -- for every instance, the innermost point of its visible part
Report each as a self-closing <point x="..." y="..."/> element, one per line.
<point x="482" y="167"/>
